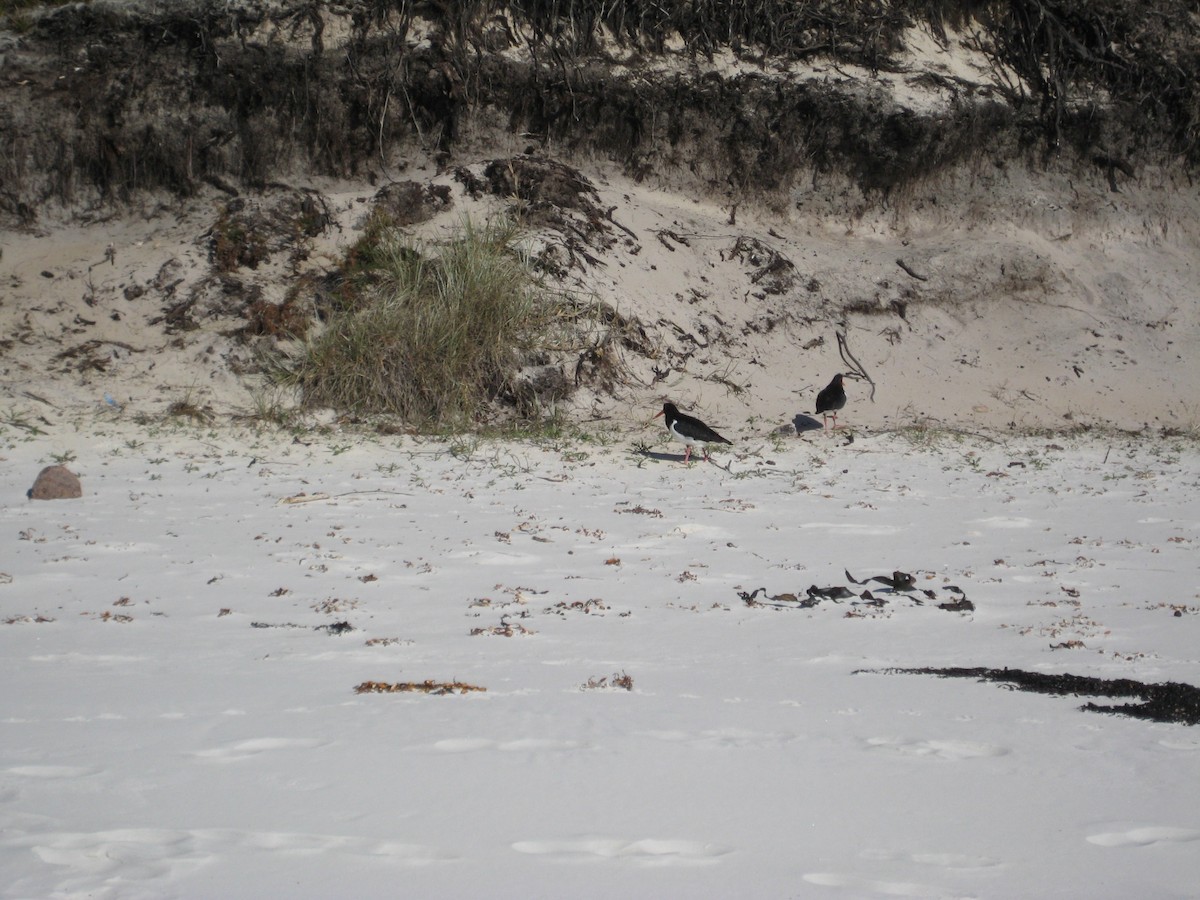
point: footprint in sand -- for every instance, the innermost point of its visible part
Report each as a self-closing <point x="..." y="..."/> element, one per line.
<point x="953" y="750"/>
<point x="240" y="750"/>
<point x="1144" y="837"/>
<point x="859" y="886"/>
<point x="1179" y="744"/>
<point x="296" y="843"/>
<point x="694" y="529"/>
<point x="938" y="860"/>
<point x="1004" y="522"/>
<point x="527" y="745"/>
<point x="847" y="528"/>
<point x="138" y="854"/>
<point x="51" y="772"/>
<point x="149" y="854"/>
<point x="719" y="738"/>
<point x="647" y="852"/>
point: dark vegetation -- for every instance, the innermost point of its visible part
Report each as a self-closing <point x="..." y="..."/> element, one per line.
<point x="1163" y="702"/>
<point x="107" y="99"/>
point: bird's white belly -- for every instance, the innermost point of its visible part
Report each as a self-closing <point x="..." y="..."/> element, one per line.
<point x="683" y="438"/>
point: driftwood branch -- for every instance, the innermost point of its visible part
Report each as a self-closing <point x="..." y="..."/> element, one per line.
<point x="905" y="266"/>
<point x="856" y="368"/>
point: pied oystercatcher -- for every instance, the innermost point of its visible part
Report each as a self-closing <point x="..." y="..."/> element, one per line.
<point x="690" y="430"/>
<point x="831" y="399"/>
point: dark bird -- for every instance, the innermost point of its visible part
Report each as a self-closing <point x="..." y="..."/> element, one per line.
<point x="691" y="431"/>
<point x="831" y="399"/>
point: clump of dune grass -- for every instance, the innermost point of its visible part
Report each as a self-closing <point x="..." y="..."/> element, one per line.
<point x="430" y="333"/>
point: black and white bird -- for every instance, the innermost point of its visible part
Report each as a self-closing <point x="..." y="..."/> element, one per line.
<point x="831" y="399"/>
<point x="690" y="430"/>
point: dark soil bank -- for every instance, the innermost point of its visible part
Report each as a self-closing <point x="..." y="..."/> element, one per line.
<point x="99" y="101"/>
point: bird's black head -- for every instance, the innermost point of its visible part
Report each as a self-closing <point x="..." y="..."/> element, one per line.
<point x="670" y="410"/>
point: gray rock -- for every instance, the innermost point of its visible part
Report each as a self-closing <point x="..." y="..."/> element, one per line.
<point x="56" y="483"/>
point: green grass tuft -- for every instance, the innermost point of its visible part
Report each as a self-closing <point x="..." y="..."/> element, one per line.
<point x="431" y="334"/>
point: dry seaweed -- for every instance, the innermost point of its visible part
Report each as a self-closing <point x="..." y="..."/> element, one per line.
<point x="1167" y="701"/>
<point x="437" y="688"/>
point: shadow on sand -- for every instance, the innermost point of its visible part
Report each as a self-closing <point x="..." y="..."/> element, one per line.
<point x="803" y="423"/>
<point x="676" y="457"/>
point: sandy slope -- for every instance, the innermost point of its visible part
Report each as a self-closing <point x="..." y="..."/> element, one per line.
<point x="1021" y="302"/>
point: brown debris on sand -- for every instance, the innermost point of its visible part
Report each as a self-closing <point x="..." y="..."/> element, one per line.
<point x="437" y="688"/>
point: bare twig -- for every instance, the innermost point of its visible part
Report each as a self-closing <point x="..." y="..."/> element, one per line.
<point x="902" y="264"/>
<point x="39" y="399"/>
<point x="608" y="214"/>
<point x="856" y="368"/>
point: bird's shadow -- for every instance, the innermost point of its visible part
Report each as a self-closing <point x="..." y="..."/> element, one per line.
<point x="660" y="456"/>
<point x="803" y="423"/>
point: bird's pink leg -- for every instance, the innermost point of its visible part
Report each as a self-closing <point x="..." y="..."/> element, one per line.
<point x="687" y="453"/>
